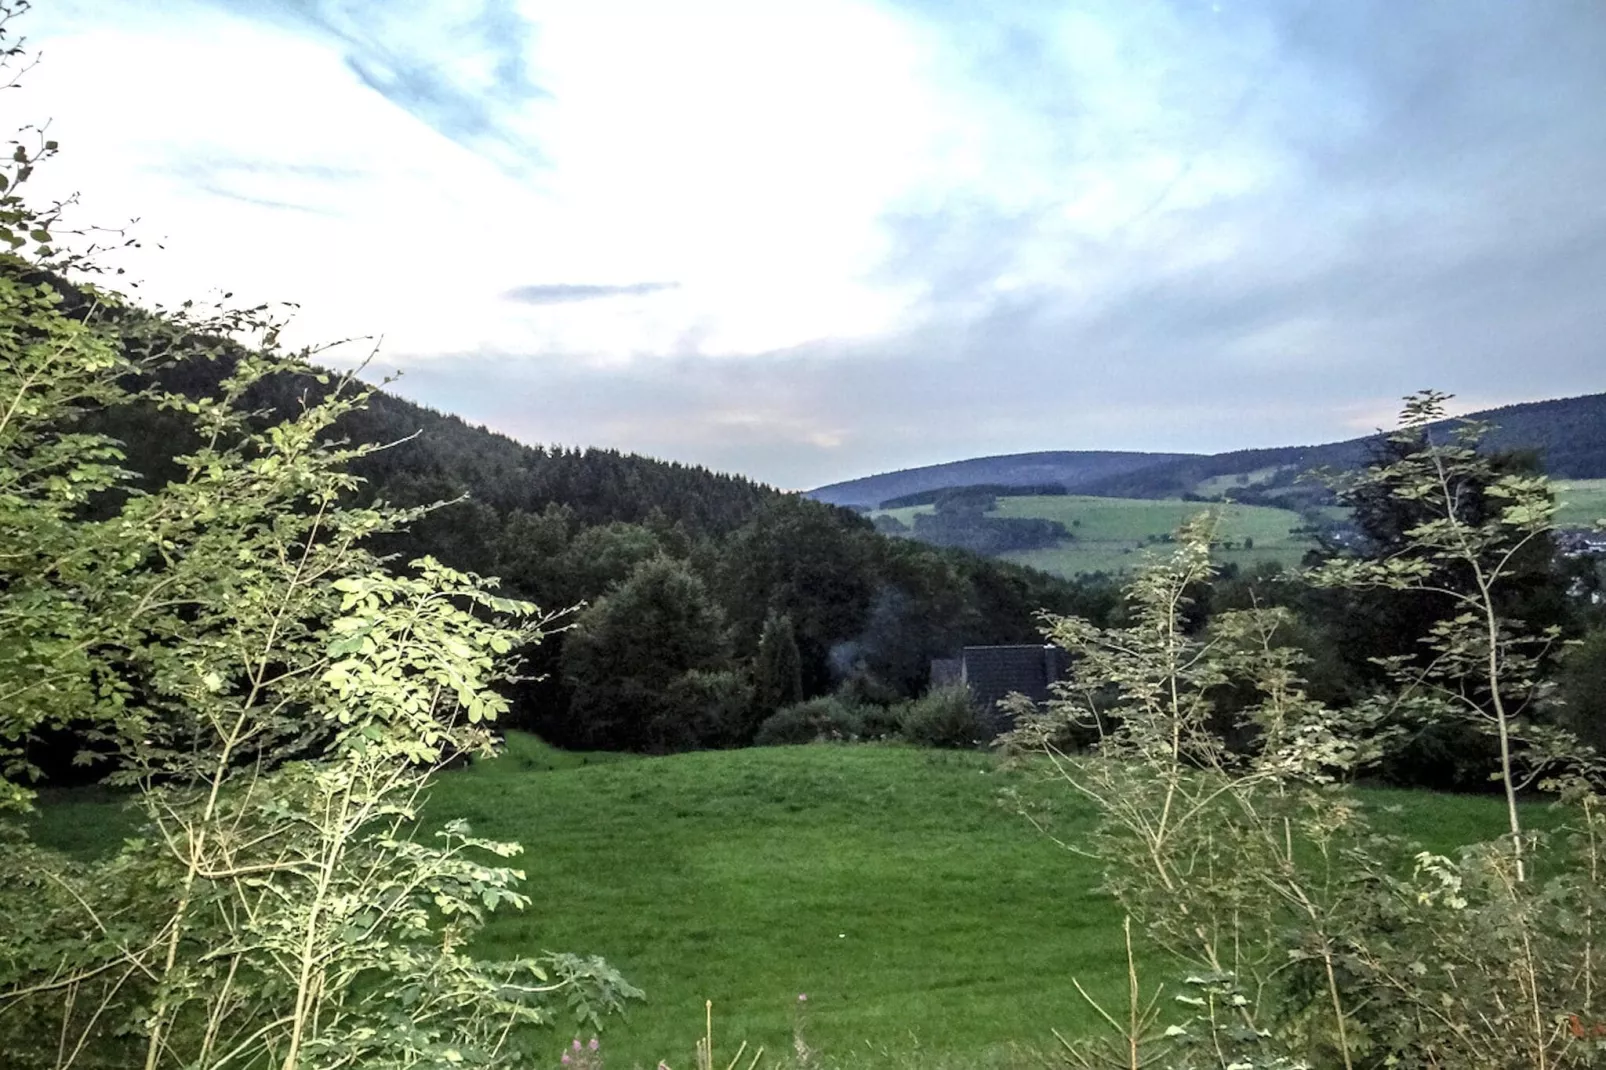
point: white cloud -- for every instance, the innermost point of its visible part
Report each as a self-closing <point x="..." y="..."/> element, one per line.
<point x="818" y="235"/>
<point x="745" y="157"/>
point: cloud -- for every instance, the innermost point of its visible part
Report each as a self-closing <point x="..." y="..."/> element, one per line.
<point x="1140" y="224"/>
<point x="266" y="183"/>
<point x="566" y="293"/>
<point x="464" y="73"/>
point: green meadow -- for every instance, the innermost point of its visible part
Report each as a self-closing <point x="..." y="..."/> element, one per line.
<point x="886" y="883"/>
<point x="1582" y="501"/>
<point x="1111" y="534"/>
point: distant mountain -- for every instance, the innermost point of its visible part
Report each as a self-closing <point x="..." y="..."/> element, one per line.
<point x="1071" y="469"/>
<point x="1568" y="434"/>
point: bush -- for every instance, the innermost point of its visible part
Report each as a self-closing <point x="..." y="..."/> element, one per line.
<point x="945" y="717"/>
<point x="881" y="721"/>
<point x="826" y="718"/>
<point x="273" y="699"/>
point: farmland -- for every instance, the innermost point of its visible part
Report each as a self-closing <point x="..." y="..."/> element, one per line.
<point x="1109" y="534"/>
<point x="1583" y="502"/>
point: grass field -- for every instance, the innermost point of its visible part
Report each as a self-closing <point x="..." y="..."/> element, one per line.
<point x="885" y="882"/>
<point x="1112" y="533"/>
<point x="1583" y="501"/>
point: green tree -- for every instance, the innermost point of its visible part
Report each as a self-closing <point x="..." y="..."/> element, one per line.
<point x="1581" y="688"/>
<point x="815" y="563"/>
<point x="273" y="700"/>
<point x="1306" y="941"/>
<point x="1468" y="534"/>
<point x="1427" y="474"/>
<point x="778" y="669"/>
<point x="629" y="651"/>
<point x="1310" y="943"/>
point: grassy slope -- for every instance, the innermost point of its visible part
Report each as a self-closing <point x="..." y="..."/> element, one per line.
<point x="887" y="883"/>
<point x="1583" y="501"/>
<point x="1110" y="532"/>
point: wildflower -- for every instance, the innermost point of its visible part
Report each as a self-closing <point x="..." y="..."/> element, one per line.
<point x="576" y="1043"/>
<point x="565" y="1059"/>
<point x="594" y="1044"/>
<point x="802" y="997"/>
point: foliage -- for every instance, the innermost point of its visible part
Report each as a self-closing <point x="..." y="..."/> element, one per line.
<point x="1581" y="689"/>
<point x="630" y="655"/>
<point x="275" y="699"/>
<point x="778" y="668"/>
<point x="568" y="526"/>
<point x="824" y="718"/>
<point x="1453" y="528"/>
<point x="944" y="717"/>
<point x="1320" y="942"/>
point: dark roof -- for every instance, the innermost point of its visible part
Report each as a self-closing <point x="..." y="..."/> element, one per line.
<point x="945" y="672"/>
<point x="991" y="672"/>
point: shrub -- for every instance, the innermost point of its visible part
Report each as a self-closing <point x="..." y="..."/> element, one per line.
<point x="826" y="718"/>
<point x="880" y="721"/>
<point x="1310" y="937"/>
<point x="273" y="697"/>
<point x="945" y="717"/>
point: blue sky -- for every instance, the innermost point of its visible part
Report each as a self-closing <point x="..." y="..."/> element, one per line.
<point x="812" y="240"/>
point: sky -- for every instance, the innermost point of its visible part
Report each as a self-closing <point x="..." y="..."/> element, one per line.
<point x="808" y="240"/>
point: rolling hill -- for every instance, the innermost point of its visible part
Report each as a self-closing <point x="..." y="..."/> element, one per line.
<point x="1071" y="469"/>
<point x="1112" y="535"/>
<point x="1569" y="434"/>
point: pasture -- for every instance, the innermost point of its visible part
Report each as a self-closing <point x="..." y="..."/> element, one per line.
<point x="1582" y="501"/>
<point x="1111" y="534"/>
<point x="886" y="883"/>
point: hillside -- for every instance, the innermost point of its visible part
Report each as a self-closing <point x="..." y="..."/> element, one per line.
<point x="679" y="571"/>
<point x="1568" y="434"/>
<point x="1111" y="535"/>
<point x="1071" y="469"/>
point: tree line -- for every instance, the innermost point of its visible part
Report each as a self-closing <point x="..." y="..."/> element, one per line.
<point x="668" y="576"/>
<point x="679" y="574"/>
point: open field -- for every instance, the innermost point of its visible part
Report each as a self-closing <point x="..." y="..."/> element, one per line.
<point x="885" y="882"/>
<point x="1583" y="501"/>
<point x="1111" y="533"/>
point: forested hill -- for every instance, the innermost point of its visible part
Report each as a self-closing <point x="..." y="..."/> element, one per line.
<point x="710" y="599"/>
<point x="1567" y="434"/>
<point x="1071" y="469"/>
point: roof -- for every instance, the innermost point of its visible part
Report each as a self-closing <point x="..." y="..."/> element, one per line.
<point x="991" y="672"/>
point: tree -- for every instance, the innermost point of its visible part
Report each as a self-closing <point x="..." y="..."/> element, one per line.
<point x="813" y="562"/>
<point x="273" y="699"/>
<point x="629" y="651"/>
<point x="1581" y="687"/>
<point x="1305" y="942"/>
<point x="778" y="669"/>
<point x="1380" y="628"/>
<point x="1457" y="530"/>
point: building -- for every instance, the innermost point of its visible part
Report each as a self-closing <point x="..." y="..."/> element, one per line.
<point x="992" y="672"/>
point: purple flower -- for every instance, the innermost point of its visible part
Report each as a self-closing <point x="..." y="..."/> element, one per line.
<point x="593" y="1043"/>
<point x="565" y="1059"/>
<point x="576" y="1043"/>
